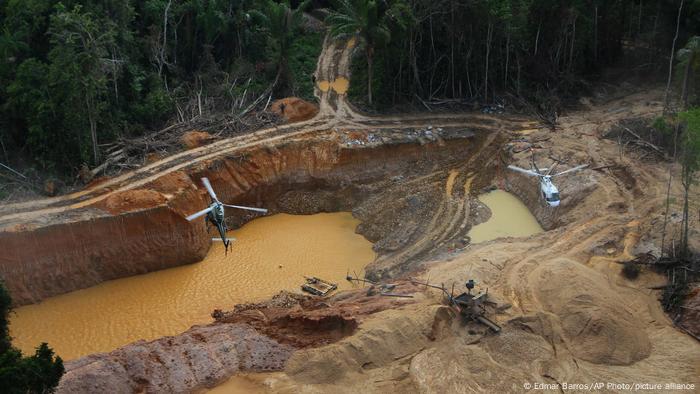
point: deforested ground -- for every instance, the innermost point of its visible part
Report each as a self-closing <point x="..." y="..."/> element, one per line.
<point x="568" y="314"/>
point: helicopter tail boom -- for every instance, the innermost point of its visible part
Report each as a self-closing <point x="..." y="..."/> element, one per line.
<point x="572" y="170"/>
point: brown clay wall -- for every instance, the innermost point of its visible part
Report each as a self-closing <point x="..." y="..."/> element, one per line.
<point x="140" y="231"/>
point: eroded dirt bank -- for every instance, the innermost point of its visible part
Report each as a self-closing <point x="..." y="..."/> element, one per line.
<point x="94" y="245"/>
<point x="126" y="232"/>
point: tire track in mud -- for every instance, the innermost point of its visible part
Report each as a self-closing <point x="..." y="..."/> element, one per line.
<point x="449" y="221"/>
<point x="23" y="211"/>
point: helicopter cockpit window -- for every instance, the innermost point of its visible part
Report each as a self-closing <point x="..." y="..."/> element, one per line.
<point x="553" y="197"/>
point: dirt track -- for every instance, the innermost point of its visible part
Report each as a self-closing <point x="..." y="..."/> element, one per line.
<point x="18" y="212"/>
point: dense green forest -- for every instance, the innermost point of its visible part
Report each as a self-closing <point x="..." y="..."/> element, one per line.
<point x="542" y="50"/>
<point x="76" y="75"/>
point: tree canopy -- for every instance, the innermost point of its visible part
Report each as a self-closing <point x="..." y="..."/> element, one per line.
<point x="38" y="373"/>
<point x="78" y="74"/>
<point x="372" y="22"/>
<point x="75" y="75"/>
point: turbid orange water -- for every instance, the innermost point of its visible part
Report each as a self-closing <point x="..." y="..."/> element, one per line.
<point x="509" y="218"/>
<point x="270" y="254"/>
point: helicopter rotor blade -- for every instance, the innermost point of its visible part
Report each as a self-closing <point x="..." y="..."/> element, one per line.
<point x="550" y="169"/>
<point x="221" y="240"/>
<point x="207" y="184"/>
<point x="263" y="210"/>
<point x="572" y="170"/>
<point x="198" y="214"/>
<point x="522" y="170"/>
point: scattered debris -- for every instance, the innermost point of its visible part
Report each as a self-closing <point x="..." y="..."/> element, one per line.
<point x="629" y="134"/>
<point x="644" y="258"/>
<point x="497" y="108"/>
<point x="126" y="154"/>
<point x="13" y="171"/>
<point x="317" y="286"/>
<point x="384" y="289"/>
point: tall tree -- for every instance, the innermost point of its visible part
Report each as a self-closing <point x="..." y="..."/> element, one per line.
<point x="281" y="22"/>
<point x="673" y="52"/>
<point x="690" y="160"/>
<point x="689" y="59"/>
<point x="80" y="60"/>
<point x="370" y="21"/>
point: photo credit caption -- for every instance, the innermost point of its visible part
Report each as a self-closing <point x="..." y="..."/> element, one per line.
<point x="597" y="386"/>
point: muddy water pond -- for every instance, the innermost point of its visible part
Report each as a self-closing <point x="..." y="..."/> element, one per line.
<point x="269" y="254"/>
<point x="509" y="218"/>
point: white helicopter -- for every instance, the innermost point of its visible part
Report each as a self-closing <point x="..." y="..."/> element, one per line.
<point x="550" y="193"/>
<point x="215" y="213"/>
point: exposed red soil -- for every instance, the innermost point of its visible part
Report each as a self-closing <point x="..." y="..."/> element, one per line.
<point x="171" y="183"/>
<point x="572" y="317"/>
<point x="132" y="200"/>
<point x="319" y="171"/>
<point x="96" y="181"/>
<point x="153" y="157"/>
<point x="294" y="109"/>
<point x="195" y="139"/>
<point x="303" y="321"/>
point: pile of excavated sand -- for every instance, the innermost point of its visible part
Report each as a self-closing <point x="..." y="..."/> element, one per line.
<point x="595" y="320"/>
<point x="195" y="139"/>
<point x="294" y="109"/>
<point x="424" y="348"/>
